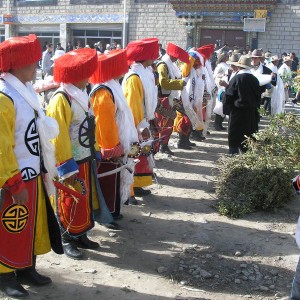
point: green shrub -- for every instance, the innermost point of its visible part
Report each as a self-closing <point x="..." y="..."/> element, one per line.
<point x="261" y="178"/>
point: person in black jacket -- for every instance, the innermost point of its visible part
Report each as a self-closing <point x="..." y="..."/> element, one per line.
<point x="240" y="101"/>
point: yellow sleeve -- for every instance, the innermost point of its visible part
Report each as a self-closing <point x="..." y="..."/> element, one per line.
<point x="8" y="162"/>
<point x="107" y="133"/>
<point x="60" y="109"/>
<point x="186" y="68"/>
<point x="134" y="95"/>
<point x="164" y="80"/>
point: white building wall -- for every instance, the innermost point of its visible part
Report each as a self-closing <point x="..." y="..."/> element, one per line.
<point x="283" y="31"/>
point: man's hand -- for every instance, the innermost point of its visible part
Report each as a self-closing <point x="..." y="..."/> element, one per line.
<point x="146" y="134"/>
<point x="223" y="83"/>
<point x="20" y="198"/>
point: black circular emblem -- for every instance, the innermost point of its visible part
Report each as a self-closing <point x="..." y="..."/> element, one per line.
<point x="28" y="173"/>
<point x="15" y="218"/>
<point x="32" y="138"/>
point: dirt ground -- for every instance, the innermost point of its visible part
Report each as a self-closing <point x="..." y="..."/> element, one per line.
<point x="175" y="245"/>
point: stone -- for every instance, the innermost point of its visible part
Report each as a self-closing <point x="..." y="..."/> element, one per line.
<point x="237" y="281"/>
<point x="183" y="282"/>
<point x="125" y="289"/>
<point x="112" y="234"/>
<point x="205" y="274"/>
<point x="245" y="273"/>
<point x="243" y="266"/>
<point x="263" y="288"/>
<point x="180" y="269"/>
<point x="272" y="287"/>
<point x="238" y="253"/>
<point x="217" y="276"/>
<point x="161" y="270"/>
<point x="90" y="271"/>
<point x="274" y="272"/>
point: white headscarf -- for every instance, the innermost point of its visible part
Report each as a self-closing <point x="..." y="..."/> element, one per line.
<point x="150" y="89"/>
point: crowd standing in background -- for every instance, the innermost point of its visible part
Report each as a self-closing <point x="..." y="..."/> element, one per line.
<point x="108" y="112"/>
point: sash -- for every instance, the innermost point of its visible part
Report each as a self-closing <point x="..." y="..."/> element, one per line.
<point x="75" y="214"/>
<point x="17" y="229"/>
<point x="110" y="186"/>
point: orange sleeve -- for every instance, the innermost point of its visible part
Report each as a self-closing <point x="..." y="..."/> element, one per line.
<point x="107" y="133"/>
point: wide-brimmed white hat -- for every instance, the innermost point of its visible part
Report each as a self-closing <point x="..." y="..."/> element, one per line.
<point x="234" y="58"/>
<point x="244" y="62"/>
<point x="257" y="53"/>
<point x="221" y="56"/>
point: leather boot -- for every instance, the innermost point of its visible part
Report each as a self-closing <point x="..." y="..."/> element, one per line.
<point x="221" y="121"/>
<point x="218" y="123"/>
<point x="132" y="201"/>
<point x="182" y="142"/>
<point x="85" y="243"/>
<point x="32" y="277"/>
<point x="197" y="135"/>
<point x="188" y="140"/>
<point x="140" y="192"/>
<point x="165" y="149"/>
<point x="11" y="286"/>
<point x="71" y="250"/>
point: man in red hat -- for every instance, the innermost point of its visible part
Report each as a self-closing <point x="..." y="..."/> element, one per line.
<point x="141" y="95"/>
<point x="75" y="150"/>
<point x="170" y="85"/>
<point x="115" y="129"/>
<point x="188" y="119"/>
<point x="210" y="89"/>
<point x="28" y="226"/>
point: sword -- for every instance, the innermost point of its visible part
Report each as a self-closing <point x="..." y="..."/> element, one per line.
<point x="102" y="216"/>
<point x="127" y="166"/>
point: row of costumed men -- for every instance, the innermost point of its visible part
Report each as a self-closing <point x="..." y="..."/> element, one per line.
<point x="90" y="153"/>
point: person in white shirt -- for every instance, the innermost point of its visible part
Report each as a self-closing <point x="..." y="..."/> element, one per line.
<point x="285" y="73"/>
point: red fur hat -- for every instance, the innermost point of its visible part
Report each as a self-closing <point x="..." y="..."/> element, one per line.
<point x="18" y="52"/>
<point x="206" y="50"/>
<point x="177" y="52"/>
<point x="75" y="65"/>
<point x="140" y="50"/>
<point x="110" y="66"/>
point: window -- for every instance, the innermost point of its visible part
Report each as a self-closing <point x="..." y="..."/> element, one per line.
<point x="95" y="1"/>
<point x="150" y="1"/>
<point x="92" y="36"/>
<point x="50" y="37"/>
<point x="35" y="2"/>
<point x="2" y="35"/>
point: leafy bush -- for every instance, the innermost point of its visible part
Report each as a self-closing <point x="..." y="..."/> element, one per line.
<point x="260" y="179"/>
